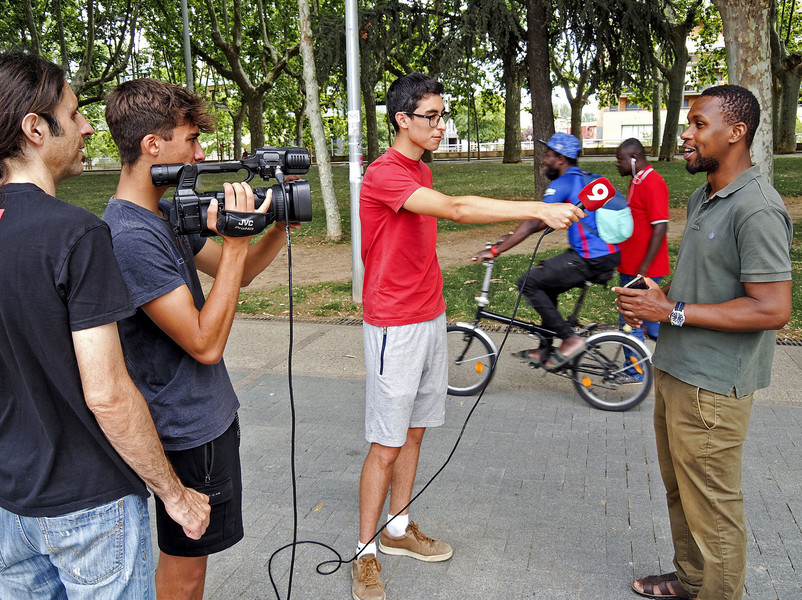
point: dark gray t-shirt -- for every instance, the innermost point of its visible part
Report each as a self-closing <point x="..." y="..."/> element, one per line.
<point x="191" y="403"/>
<point x="742" y="234"/>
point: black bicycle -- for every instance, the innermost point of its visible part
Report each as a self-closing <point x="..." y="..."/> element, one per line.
<point x="614" y="372"/>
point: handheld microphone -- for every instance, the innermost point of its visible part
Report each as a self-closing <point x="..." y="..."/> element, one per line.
<point x="593" y="196"/>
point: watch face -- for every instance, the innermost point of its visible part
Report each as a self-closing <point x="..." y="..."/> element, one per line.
<point x="677" y="318"/>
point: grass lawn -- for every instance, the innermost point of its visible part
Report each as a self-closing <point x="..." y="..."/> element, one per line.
<point x="485" y="178"/>
<point x="462" y="284"/>
<point x="488" y="178"/>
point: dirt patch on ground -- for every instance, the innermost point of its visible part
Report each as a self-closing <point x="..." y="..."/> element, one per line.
<point x="319" y="262"/>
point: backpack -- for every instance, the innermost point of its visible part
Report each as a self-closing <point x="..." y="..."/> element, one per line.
<point x="613" y="220"/>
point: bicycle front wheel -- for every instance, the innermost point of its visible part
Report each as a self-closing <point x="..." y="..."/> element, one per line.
<point x="614" y="373"/>
<point x="471" y="354"/>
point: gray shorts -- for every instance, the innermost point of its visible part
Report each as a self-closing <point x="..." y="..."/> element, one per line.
<point x="407" y="379"/>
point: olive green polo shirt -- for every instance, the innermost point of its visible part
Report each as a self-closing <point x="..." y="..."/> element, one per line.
<point x="741" y="234"/>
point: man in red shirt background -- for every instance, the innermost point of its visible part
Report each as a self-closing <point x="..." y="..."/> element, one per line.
<point x="646" y="252"/>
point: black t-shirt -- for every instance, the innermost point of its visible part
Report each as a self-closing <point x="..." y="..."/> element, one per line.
<point x="58" y="274"/>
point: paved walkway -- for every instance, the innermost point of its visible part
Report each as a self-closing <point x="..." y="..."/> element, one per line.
<point x="545" y="497"/>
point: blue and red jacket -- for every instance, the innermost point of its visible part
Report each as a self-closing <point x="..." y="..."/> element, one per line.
<point x="582" y="239"/>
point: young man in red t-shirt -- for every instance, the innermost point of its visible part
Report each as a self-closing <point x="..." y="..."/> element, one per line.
<point x="404" y="318"/>
<point x="646" y="252"/>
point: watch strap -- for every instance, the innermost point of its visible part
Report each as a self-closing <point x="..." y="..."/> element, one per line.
<point x="677" y="317"/>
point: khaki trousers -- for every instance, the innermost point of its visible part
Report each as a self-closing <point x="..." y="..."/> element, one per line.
<point x="700" y="438"/>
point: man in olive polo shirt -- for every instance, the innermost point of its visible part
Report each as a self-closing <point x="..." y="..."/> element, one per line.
<point x="731" y="290"/>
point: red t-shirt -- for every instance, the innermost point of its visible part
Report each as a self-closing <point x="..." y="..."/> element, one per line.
<point x="648" y="200"/>
<point x="403" y="283"/>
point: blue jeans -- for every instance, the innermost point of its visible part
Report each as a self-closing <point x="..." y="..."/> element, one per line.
<point x="652" y="328"/>
<point x="100" y="552"/>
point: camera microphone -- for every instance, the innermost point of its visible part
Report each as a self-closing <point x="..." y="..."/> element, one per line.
<point x="593" y="196"/>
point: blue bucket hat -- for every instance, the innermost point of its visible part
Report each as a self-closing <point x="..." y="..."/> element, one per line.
<point x="564" y="143"/>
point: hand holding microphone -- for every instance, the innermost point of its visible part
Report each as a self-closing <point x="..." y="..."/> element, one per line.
<point x="593" y="196"/>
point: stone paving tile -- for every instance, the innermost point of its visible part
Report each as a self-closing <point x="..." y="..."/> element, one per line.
<point x="545" y="498"/>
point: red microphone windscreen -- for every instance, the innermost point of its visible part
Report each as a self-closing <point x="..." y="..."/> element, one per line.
<point x="596" y="194"/>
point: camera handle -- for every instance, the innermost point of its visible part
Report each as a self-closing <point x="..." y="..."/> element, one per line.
<point x="241" y="224"/>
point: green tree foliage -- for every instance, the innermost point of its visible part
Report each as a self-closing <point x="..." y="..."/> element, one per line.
<point x="91" y="41"/>
<point x="680" y="21"/>
<point x="502" y="22"/>
<point x="249" y="45"/>
<point x="399" y="37"/>
<point x="487" y="116"/>
<point x="595" y="44"/>
<point x="599" y="43"/>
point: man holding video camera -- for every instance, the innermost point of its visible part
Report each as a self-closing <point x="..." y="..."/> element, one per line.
<point x="174" y="343"/>
<point x="404" y="319"/>
<point x="75" y="434"/>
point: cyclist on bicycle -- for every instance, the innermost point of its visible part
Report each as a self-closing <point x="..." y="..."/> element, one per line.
<point x="588" y="259"/>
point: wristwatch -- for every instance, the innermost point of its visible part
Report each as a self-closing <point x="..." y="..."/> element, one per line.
<point x="677" y="316"/>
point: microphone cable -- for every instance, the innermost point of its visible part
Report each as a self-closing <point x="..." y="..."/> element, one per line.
<point x="325" y="567"/>
<point x="279" y="175"/>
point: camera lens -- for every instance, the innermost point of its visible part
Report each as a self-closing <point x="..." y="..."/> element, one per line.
<point x="299" y="202"/>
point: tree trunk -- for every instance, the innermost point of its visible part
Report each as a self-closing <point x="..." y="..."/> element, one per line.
<point x="476" y="124"/>
<point x="371" y="124"/>
<point x="62" y="40"/>
<point x="787" y="101"/>
<point x="228" y="41"/>
<point x="468" y="123"/>
<point x="656" y="105"/>
<point x="256" y="123"/>
<point x="239" y="119"/>
<point x="33" y="27"/>
<point x="676" y="92"/>
<point x="746" y="37"/>
<point x="300" y="117"/>
<point x="333" y="225"/>
<point x="676" y="81"/>
<point x="512" y="112"/>
<point x="539" y="85"/>
<point x="787" y="70"/>
<point x="577" y="103"/>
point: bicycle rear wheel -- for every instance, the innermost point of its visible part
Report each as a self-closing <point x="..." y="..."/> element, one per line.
<point x="471" y="354"/>
<point x="614" y="373"/>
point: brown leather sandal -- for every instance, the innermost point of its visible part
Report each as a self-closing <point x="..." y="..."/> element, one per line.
<point x="664" y="586"/>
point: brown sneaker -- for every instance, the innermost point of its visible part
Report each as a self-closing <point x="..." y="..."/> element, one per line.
<point x="367" y="585"/>
<point x="413" y="543"/>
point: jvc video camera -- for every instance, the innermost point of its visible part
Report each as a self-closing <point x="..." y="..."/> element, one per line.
<point x="189" y="208"/>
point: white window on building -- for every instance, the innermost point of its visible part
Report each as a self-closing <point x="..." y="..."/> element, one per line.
<point x="640" y="132"/>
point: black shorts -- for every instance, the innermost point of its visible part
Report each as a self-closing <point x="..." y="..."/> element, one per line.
<point x="213" y="469"/>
